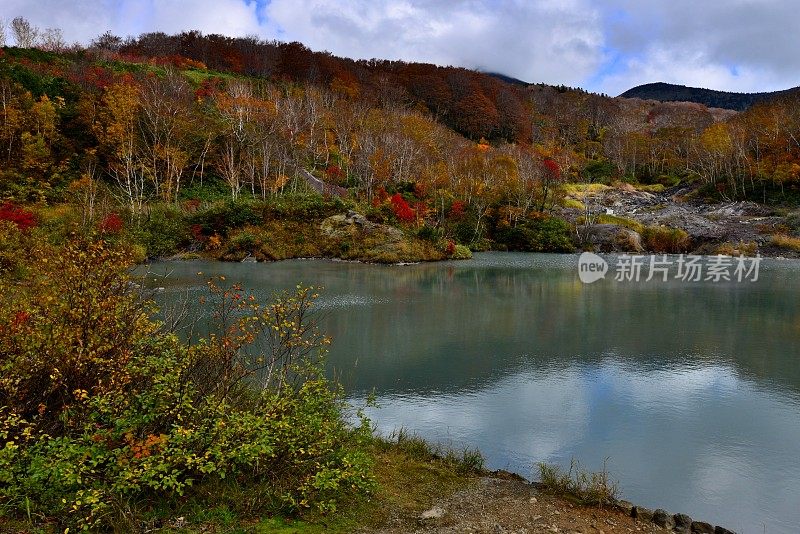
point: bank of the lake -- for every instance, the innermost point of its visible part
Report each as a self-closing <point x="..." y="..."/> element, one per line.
<point x="688" y="388"/>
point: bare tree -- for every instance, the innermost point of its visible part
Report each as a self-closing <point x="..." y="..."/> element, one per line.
<point x="2" y="32"/>
<point x="52" y="40"/>
<point x="24" y="33"/>
<point x="107" y="42"/>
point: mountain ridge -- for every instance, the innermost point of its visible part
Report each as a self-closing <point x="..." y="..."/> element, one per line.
<point x="668" y="92"/>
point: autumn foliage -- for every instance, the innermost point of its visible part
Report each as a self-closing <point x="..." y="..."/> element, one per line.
<point x="103" y="409"/>
<point x="24" y="219"/>
<point x="401" y="209"/>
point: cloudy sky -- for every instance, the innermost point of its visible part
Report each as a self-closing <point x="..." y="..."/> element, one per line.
<point x="602" y="45"/>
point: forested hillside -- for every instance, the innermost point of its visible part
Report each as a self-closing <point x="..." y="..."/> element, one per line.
<point x="667" y="92"/>
<point x="457" y="156"/>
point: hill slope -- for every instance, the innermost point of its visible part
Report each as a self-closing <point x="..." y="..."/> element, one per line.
<point x="666" y="92"/>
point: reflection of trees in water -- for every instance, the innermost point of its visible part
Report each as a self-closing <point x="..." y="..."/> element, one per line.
<point x="449" y="326"/>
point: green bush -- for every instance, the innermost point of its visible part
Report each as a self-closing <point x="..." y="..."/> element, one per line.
<point x="162" y="230"/>
<point x="305" y="206"/>
<point x="428" y="233"/>
<point x="462" y="252"/>
<point x="599" y="172"/>
<point x="541" y="233"/>
<point x="211" y="190"/>
<point x="222" y="217"/>
<point x="104" y="414"/>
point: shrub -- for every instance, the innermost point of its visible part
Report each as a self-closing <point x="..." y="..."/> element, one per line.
<point x="786" y="241"/>
<point x="742" y="248"/>
<point x="24" y="219"/>
<point x="457" y="209"/>
<point x="163" y="231"/>
<point x="665" y="240"/>
<point x="428" y="233"/>
<point x="589" y="488"/>
<point x="222" y="217"/>
<point x="304" y="206"/>
<point x="245" y="240"/>
<point x="598" y="171"/>
<point x="401" y="209"/>
<point x="111" y="224"/>
<point x="540" y="233"/>
<point x="461" y="252"/>
<point x="792" y="223"/>
<point x="12" y="247"/>
<point x="104" y="411"/>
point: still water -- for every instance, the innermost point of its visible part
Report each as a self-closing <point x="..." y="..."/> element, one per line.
<point x="691" y="391"/>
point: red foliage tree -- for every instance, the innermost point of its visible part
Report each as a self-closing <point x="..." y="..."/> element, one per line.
<point x="401" y="209"/>
<point x="457" y="209"/>
<point x="23" y="218"/>
<point x="111" y="224"/>
<point x="553" y="168"/>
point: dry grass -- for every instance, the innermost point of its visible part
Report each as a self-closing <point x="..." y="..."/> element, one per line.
<point x="590" y="488"/>
<point x="742" y="248"/>
<point x="603" y="218"/>
<point x="786" y="241"/>
<point x="665" y="240"/>
<point x="580" y="191"/>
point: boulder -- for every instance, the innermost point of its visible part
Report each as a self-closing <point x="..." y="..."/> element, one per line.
<point x="721" y="530"/>
<point x="625" y="507"/>
<point x="700" y="527"/>
<point x="682" y="521"/>
<point x="343" y="226"/>
<point x="610" y="238"/>
<point x="642" y="514"/>
<point x="663" y="519"/>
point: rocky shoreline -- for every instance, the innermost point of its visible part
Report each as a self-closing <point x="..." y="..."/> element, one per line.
<point x="505" y="503"/>
<point x="612" y="219"/>
<point x="681" y="523"/>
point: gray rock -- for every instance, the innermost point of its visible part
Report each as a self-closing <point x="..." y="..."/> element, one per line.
<point x="664" y="519"/>
<point x="682" y="521"/>
<point x="642" y="514"/>
<point x="339" y="226"/>
<point x="610" y="238"/>
<point x="700" y="527"/>
<point x="625" y="507"/>
<point x="721" y="530"/>
<point x="433" y="513"/>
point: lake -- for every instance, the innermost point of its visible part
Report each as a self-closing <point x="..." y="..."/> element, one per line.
<point x="690" y="390"/>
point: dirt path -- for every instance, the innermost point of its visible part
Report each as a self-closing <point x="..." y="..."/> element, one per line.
<point x="499" y="506"/>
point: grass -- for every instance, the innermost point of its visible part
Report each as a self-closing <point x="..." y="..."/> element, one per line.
<point x="665" y="240"/>
<point x="742" y="248"/>
<point x="578" y="484"/>
<point x="786" y="241"/>
<point x="579" y="191"/>
<point x="603" y="218"/>
<point x="574" y="204"/>
<point x="650" y="188"/>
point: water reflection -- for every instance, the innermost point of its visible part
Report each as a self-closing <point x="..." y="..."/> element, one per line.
<point x="691" y="390"/>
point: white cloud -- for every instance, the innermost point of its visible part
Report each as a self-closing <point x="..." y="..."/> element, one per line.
<point x="742" y="45"/>
<point x="83" y="20"/>
<point x="540" y="40"/>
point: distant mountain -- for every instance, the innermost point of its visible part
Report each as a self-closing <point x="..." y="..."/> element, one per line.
<point x="667" y="92"/>
<point x="507" y="79"/>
